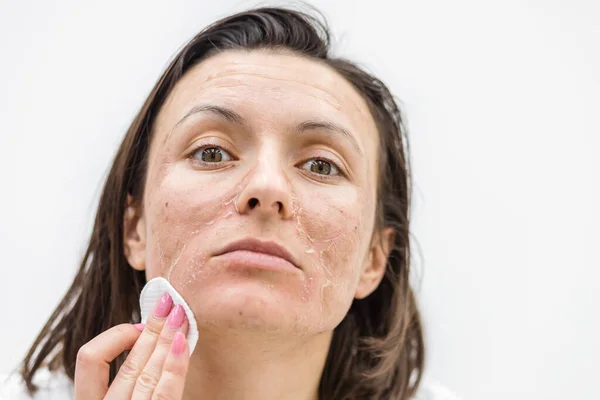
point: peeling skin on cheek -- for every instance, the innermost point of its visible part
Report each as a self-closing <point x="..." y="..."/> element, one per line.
<point x="194" y="265"/>
<point x="194" y="269"/>
<point x="332" y="234"/>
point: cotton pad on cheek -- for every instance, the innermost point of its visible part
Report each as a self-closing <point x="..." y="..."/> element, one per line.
<point x="153" y="291"/>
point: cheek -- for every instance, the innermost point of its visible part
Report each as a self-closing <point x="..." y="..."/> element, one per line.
<point x="335" y="231"/>
<point x="179" y="210"/>
<point x="333" y="234"/>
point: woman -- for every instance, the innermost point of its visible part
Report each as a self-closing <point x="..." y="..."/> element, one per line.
<point x="269" y="183"/>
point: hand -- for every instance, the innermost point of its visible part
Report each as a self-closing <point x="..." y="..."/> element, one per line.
<point x="155" y="368"/>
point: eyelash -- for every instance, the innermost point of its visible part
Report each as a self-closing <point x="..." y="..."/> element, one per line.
<point x="325" y="177"/>
<point x="341" y="172"/>
<point x="209" y="146"/>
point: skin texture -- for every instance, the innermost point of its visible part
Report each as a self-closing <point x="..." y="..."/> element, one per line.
<point x="265" y="188"/>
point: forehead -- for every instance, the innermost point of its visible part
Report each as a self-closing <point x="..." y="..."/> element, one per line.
<point x="273" y="87"/>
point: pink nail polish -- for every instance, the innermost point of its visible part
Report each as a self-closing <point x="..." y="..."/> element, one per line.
<point x="178" y="345"/>
<point x="139" y="327"/>
<point x="163" y="307"/>
<point x="176" y="317"/>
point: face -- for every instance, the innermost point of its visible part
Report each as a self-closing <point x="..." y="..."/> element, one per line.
<point x="259" y="203"/>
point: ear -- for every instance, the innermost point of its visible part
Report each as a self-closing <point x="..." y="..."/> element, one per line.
<point x="134" y="235"/>
<point x="376" y="262"/>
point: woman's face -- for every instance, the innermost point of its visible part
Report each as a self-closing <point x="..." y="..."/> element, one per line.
<point x="271" y="147"/>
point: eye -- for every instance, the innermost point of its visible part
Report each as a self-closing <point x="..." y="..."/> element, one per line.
<point x="321" y="167"/>
<point x="211" y="155"/>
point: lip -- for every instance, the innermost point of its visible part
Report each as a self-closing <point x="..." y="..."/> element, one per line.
<point x="259" y="253"/>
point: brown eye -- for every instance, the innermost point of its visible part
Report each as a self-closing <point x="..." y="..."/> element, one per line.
<point x="320" y="167"/>
<point x="212" y="155"/>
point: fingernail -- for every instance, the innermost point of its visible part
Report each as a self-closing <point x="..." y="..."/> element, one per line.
<point x="163" y="307"/>
<point x="139" y="327"/>
<point x="178" y="345"/>
<point x="176" y="317"/>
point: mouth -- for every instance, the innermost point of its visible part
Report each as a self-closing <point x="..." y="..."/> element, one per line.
<point x="256" y="253"/>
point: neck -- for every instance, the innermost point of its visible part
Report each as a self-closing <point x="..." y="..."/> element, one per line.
<point x="234" y="365"/>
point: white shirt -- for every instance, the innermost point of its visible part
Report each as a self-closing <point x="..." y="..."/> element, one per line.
<point x="57" y="386"/>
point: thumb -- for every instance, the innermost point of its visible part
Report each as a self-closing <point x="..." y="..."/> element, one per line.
<point x="93" y="360"/>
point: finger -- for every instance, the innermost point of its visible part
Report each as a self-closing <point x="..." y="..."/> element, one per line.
<point x="172" y="380"/>
<point x="124" y="382"/>
<point x="150" y="375"/>
<point x="93" y="359"/>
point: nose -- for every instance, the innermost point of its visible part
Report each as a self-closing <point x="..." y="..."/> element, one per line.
<point x="267" y="191"/>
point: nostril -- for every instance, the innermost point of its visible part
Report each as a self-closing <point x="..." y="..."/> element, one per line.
<point x="253" y="202"/>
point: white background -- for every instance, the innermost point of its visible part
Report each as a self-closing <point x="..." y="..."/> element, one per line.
<point x="502" y="100"/>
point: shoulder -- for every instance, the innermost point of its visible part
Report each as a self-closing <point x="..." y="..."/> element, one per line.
<point x="53" y="385"/>
<point x="430" y="390"/>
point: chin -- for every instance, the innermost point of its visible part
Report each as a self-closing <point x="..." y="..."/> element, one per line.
<point x="252" y="306"/>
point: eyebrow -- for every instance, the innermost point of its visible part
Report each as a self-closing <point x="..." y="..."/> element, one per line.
<point x="219" y="111"/>
<point x="233" y="117"/>
<point x="222" y="112"/>
<point x="328" y="126"/>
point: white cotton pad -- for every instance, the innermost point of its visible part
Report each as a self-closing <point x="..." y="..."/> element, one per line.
<point x="153" y="291"/>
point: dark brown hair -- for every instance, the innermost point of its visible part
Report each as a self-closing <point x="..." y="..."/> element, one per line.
<point x="377" y="351"/>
